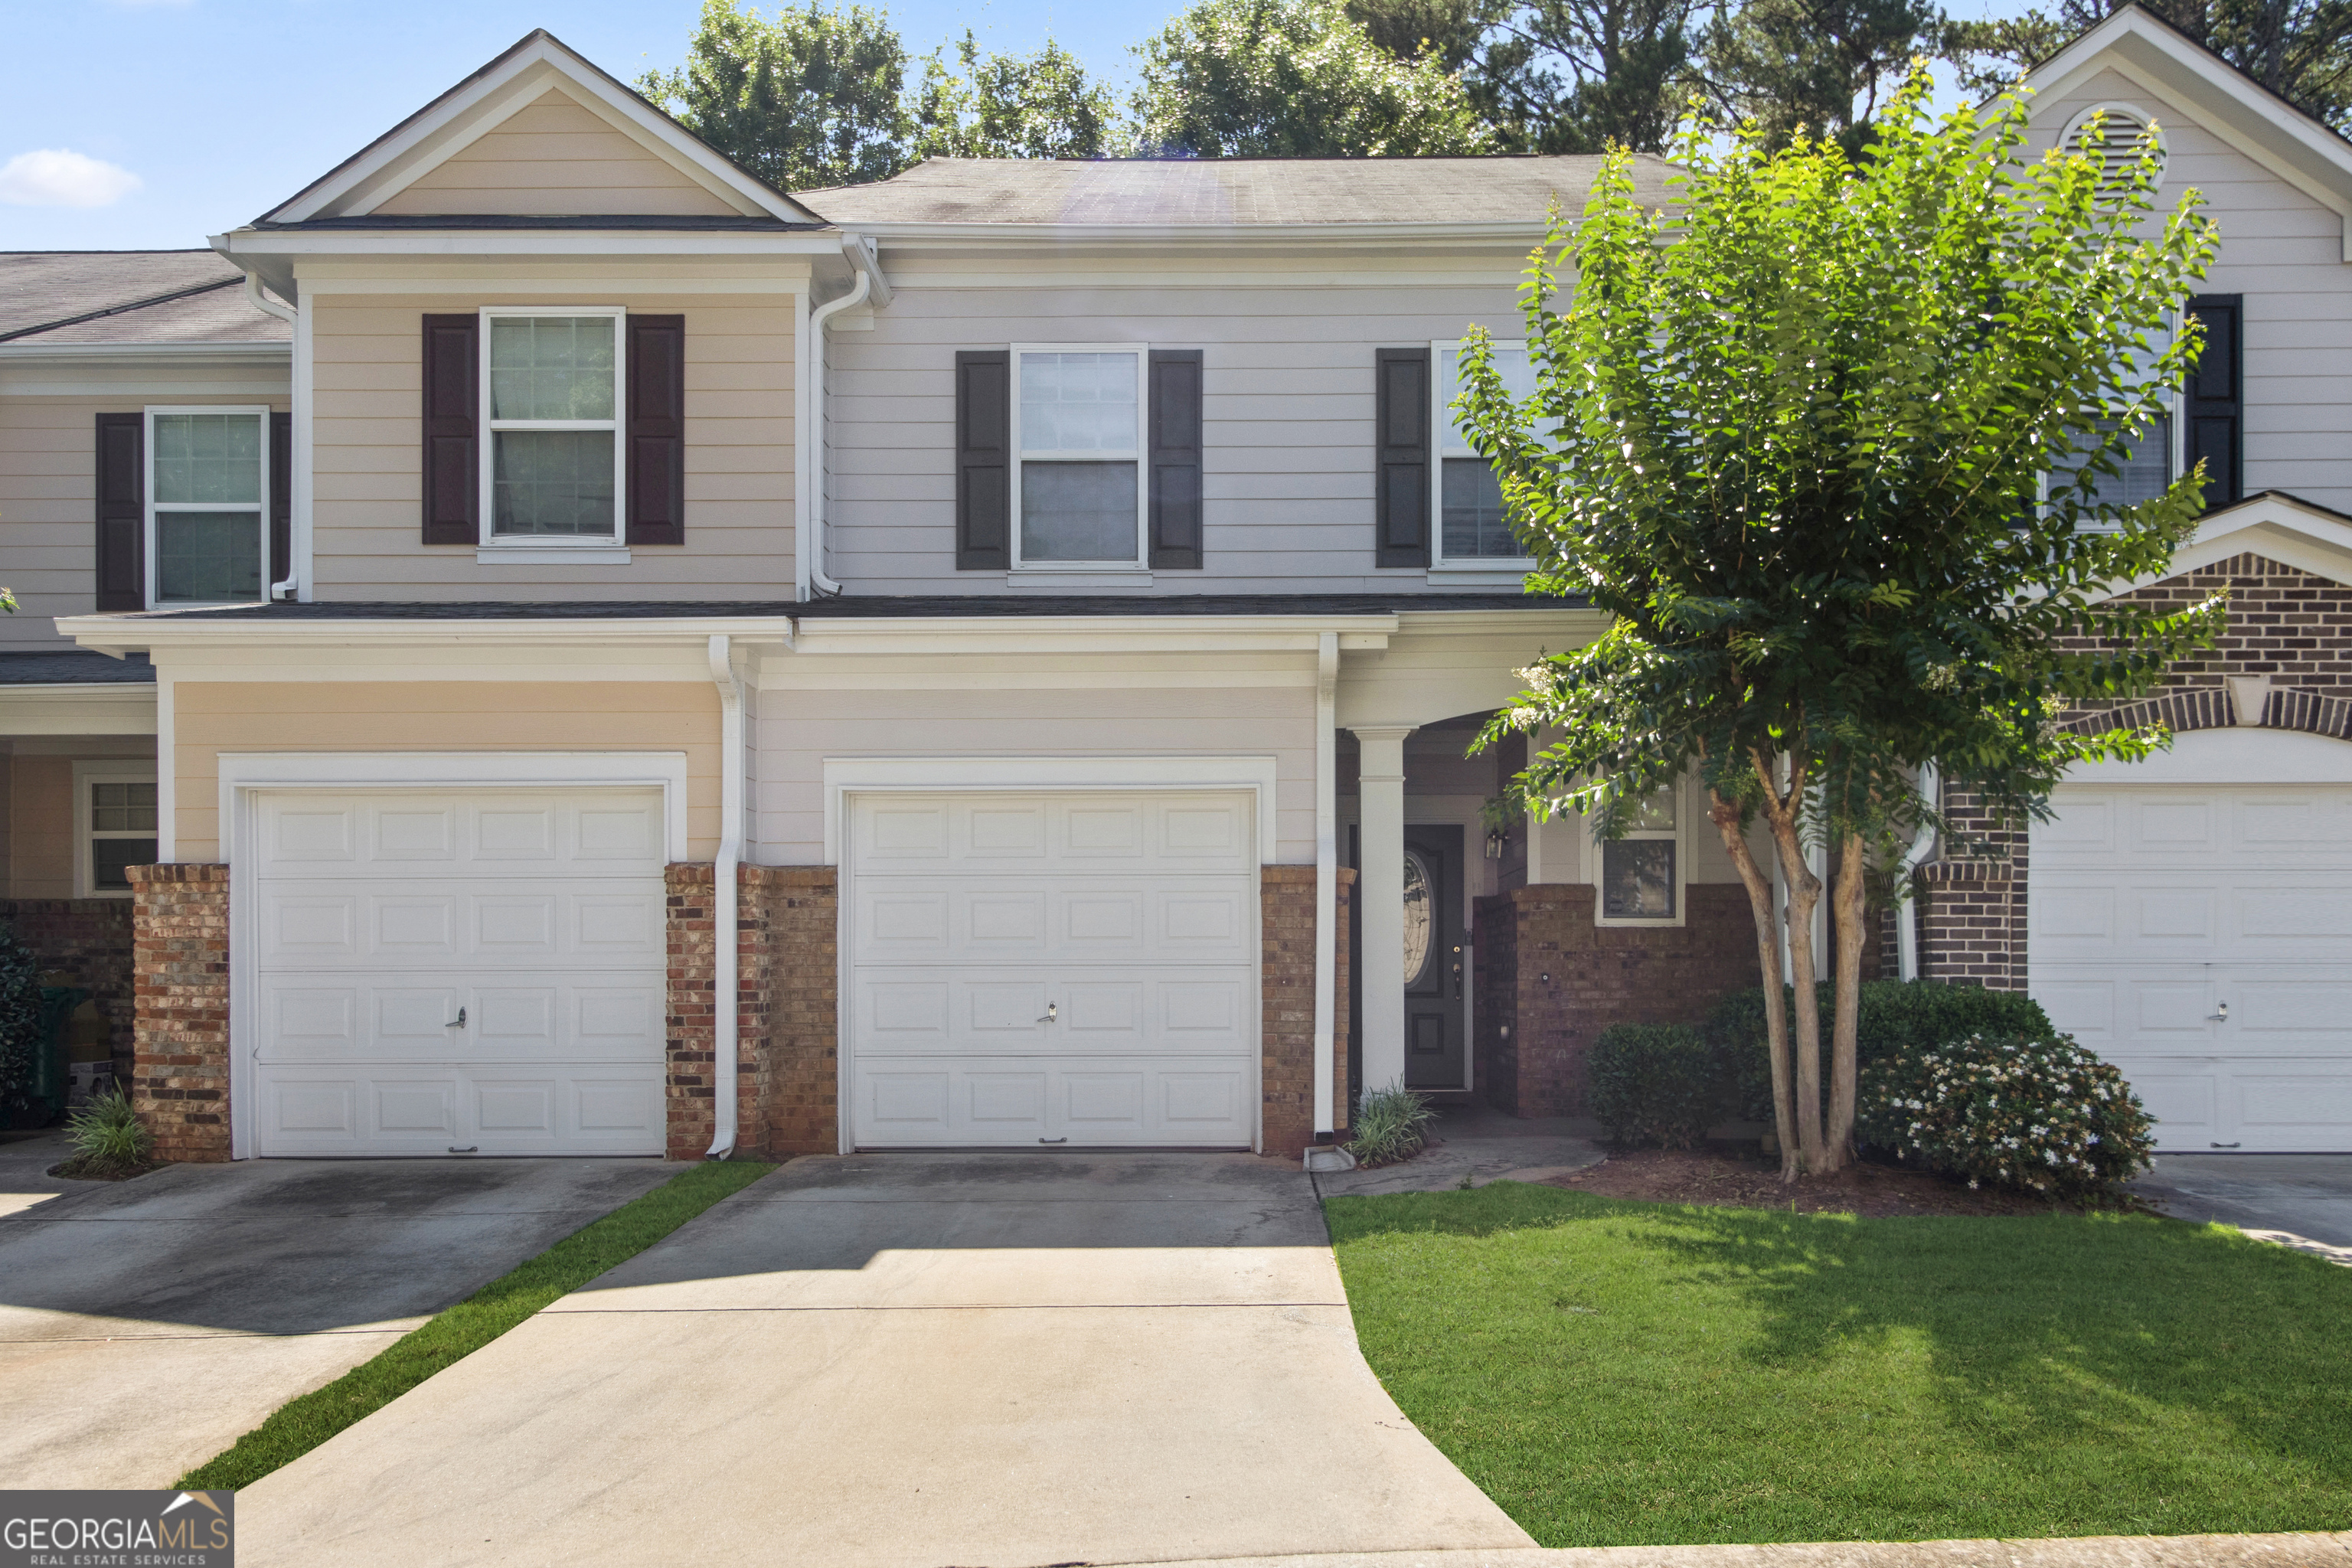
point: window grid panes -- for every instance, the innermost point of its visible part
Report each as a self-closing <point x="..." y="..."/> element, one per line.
<point x="2144" y="467"/>
<point x="207" y="500"/>
<point x="554" y="396"/>
<point x="1638" y="871"/>
<point x="1472" y="524"/>
<point x="121" y="831"/>
<point x="1081" y="438"/>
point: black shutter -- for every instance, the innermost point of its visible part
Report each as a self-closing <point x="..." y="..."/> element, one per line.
<point x="656" y="430"/>
<point x="452" y="446"/>
<point x="984" y="460"/>
<point x="1401" y="499"/>
<point x="2216" y="400"/>
<point x="281" y="501"/>
<point x="1175" y="420"/>
<point x="122" y="512"/>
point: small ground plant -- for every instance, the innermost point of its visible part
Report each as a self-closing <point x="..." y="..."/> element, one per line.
<point x="1653" y="1083"/>
<point x="1392" y="1124"/>
<point x="2035" y="1112"/>
<point x="108" y="1142"/>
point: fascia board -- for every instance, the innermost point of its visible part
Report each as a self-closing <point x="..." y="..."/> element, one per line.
<point x="1074" y="634"/>
<point x="257" y="244"/>
<point x="1477" y="623"/>
<point x="226" y="353"/>
<point x="121" y="634"/>
<point x="2273" y="527"/>
<point x="1286" y="235"/>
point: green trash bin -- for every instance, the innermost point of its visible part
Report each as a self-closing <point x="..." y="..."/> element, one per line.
<point x="51" y="1074"/>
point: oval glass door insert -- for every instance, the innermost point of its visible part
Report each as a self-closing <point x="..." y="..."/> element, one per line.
<point x="1420" y="918"/>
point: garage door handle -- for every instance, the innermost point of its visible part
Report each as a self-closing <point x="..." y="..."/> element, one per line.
<point x="468" y="1149"/>
<point x="2220" y="1018"/>
<point x="1053" y="1010"/>
<point x="2225" y="1145"/>
<point x="456" y="1023"/>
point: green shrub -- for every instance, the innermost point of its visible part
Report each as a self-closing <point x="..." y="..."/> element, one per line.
<point x="1896" y="1018"/>
<point x="22" y="1037"/>
<point x="2036" y="1112"/>
<point x="108" y="1138"/>
<point x="1391" y="1125"/>
<point x="1653" y="1083"/>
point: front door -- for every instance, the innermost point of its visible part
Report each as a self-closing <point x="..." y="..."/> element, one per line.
<point x="1433" y="959"/>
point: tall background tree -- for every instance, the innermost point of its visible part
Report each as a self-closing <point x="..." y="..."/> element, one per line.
<point x="1826" y="444"/>
<point x="1012" y="106"/>
<point x="1819" y="67"/>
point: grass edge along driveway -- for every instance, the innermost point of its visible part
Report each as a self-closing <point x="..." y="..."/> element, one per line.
<point x="1617" y="1373"/>
<point x="301" y="1425"/>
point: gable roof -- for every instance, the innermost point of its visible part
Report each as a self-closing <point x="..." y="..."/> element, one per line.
<point x="1223" y="193"/>
<point x="2288" y="142"/>
<point x="494" y="94"/>
<point x="59" y="297"/>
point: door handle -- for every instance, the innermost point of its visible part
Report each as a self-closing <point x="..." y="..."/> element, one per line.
<point x="2220" y="1018"/>
<point x="1049" y="1015"/>
<point x="456" y="1023"/>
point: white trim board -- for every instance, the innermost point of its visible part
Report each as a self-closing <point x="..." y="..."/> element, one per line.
<point x="2239" y="755"/>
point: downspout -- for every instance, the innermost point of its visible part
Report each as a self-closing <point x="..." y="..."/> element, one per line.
<point x="1326" y="876"/>
<point x="725" y="1010"/>
<point x="292" y="584"/>
<point x="860" y="254"/>
<point x="1906" y="921"/>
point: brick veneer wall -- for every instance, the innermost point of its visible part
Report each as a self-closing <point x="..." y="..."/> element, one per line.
<point x="88" y="938"/>
<point x="179" y="1075"/>
<point x="804" y="1093"/>
<point x="1286" y="1055"/>
<point x="1554" y="979"/>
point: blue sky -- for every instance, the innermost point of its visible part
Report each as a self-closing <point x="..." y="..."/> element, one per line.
<point x="177" y="119"/>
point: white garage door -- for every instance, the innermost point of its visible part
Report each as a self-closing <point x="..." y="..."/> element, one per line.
<point x="2200" y="937"/>
<point x="1031" y="969"/>
<point x="452" y="971"/>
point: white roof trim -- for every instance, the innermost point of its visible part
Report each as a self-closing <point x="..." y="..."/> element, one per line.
<point x="2277" y="526"/>
<point x="2152" y="55"/>
<point x="487" y="99"/>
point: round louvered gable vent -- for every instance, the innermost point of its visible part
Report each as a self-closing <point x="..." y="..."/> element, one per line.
<point x="2115" y="143"/>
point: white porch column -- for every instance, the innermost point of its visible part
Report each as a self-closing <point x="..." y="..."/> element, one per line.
<point x="1381" y="826"/>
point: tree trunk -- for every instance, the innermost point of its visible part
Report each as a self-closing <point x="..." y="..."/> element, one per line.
<point x="1767" y="961"/>
<point x="1782" y="814"/>
<point x="1847" y="910"/>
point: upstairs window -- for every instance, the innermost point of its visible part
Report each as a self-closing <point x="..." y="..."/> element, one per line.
<point x="207" y="485"/>
<point x="1077" y="486"/>
<point x="2149" y="459"/>
<point x="1473" y="526"/>
<point x="551" y="389"/>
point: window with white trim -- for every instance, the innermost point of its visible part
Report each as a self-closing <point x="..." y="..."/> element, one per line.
<point x="1077" y="432"/>
<point x="2150" y="458"/>
<point x="1472" y="526"/>
<point x="551" y="395"/>
<point x="1641" y="871"/>
<point x="207" y="485"/>
<point x="114" y="826"/>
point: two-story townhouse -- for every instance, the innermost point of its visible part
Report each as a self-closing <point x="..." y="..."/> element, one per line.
<point x="1053" y="594"/>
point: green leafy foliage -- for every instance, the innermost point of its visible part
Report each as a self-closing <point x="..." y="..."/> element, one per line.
<point x="1897" y="1019"/>
<point x="2021" y="1110"/>
<point x="1230" y="78"/>
<point x="108" y="1138"/>
<point x="22" y="1034"/>
<point x="1819" y="69"/>
<point x="1390" y="1124"/>
<point x="1012" y="106"/>
<point x="1652" y="1084"/>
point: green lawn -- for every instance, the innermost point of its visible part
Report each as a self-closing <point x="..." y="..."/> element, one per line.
<point x="301" y="1425"/>
<point x="1616" y="1373"/>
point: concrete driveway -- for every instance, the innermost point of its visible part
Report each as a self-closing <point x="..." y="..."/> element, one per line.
<point x="907" y="1362"/>
<point x="146" y="1325"/>
<point x="2299" y="1200"/>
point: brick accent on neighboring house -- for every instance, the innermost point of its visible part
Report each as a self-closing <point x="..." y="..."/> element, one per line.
<point x="179" y="1076"/>
<point x="804" y="1090"/>
<point x="1286" y="1055"/>
<point x="1549" y="981"/>
<point x="89" y="940"/>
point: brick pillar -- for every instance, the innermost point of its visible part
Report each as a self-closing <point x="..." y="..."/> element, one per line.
<point x="179" y="959"/>
<point x="1286" y="1049"/>
<point x="1972" y="909"/>
<point x="803" y="1097"/>
<point x="785" y="1098"/>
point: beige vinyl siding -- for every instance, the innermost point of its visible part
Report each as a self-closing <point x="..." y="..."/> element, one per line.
<point x="799" y="728"/>
<point x="1286" y="412"/>
<point x="210" y="717"/>
<point x="556" y="157"/>
<point x="48" y="491"/>
<point x="2282" y="251"/>
<point x="40" y="828"/>
<point x="369" y="441"/>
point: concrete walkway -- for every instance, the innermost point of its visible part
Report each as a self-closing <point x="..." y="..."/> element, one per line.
<point x="907" y="1362"/>
<point x="1474" y="1144"/>
<point x="2302" y="1201"/>
<point x="146" y="1325"/>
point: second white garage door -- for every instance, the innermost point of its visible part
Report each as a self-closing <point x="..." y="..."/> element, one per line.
<point x="443" y="971"/>
<point x="2200" y="937"/>
<point x="1052" y="969"/>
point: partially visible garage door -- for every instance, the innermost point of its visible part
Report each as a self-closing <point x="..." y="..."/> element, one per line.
<point x="2200" y="937"/>
<point x="1053" y="968"/>
<point x="459" y="970"/>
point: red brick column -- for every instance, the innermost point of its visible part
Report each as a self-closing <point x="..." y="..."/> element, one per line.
<point x="179" y="1073"/>
<point x="1971" y="909"/>
<point x="803" y="1097"/>
<point x="1286" y="1013"/>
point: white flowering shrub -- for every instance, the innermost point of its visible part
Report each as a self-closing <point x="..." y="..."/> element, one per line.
<point x="2015" y="1111"/>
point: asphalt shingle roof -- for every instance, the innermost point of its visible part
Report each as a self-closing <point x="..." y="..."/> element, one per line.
<point x="128" y="296"/>
<point x="75" y="666"/>
<point x="1225" y="191"/>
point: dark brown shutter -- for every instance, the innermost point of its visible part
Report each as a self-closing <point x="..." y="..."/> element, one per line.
<point x="2216" y="401"/>
<point x="281" y="501"/>
<point x="122" y="512"/>
<point x="656" y="430"/>
<point x="1401" y="500"/>
<point x="1175" y="419"/>
<point x="984" y="460"/>
<point x="452" y="443"/>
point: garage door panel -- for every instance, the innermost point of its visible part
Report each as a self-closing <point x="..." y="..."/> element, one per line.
<point x="1078" y="834"/>
<point x="2283" y="1107"/>
<point x="962" y="1100"/>
<point x="2180" y="1094"/>
<point x="1015" y="919"/>
<point x="413" y="835"/>
<point x="537" y="920"/>
<point x="985" y="1011"/>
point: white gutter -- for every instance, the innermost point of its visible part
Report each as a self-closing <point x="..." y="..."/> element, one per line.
<point x="860" y="252"/>
<point x="300" y="533"/>
<point x="1907" y="918"/>
<point x="1327" y="875"/>
<point x="725" y="1006"/>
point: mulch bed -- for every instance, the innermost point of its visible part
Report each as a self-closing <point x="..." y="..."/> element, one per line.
<point x="79" y="1169"/>
<point x="1737" y="1177"/>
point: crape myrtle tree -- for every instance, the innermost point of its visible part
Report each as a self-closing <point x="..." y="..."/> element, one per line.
<point x="1823" y="441"/>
